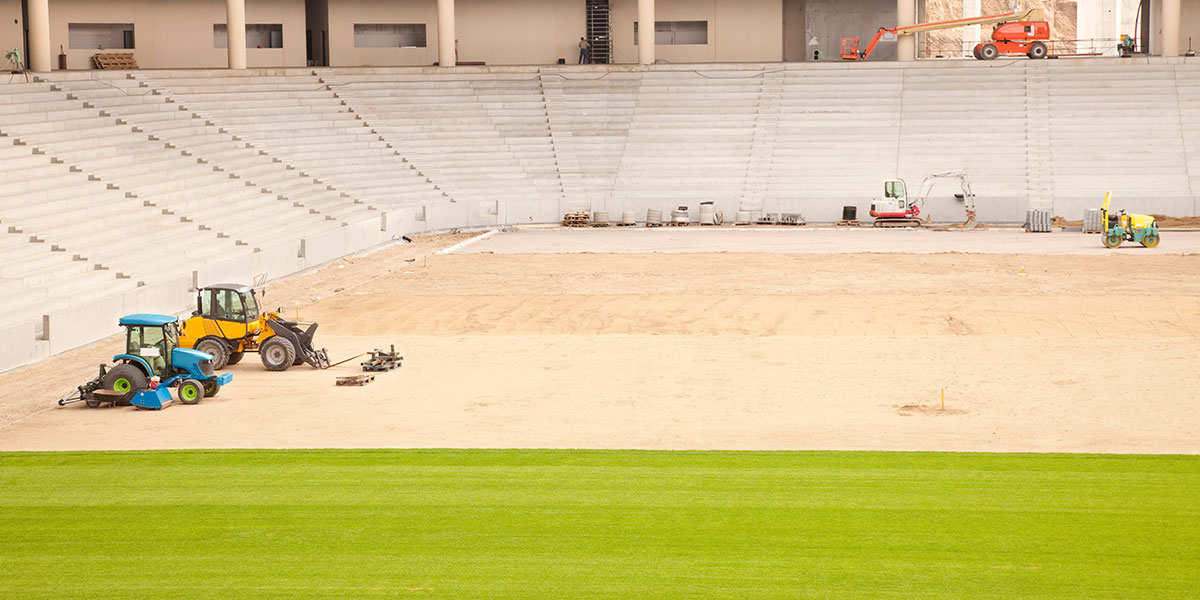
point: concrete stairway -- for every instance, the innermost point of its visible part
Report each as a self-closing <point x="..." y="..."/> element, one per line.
<point x="483" y="139"/>
<point x="292" y="115"/>
<point x="689" y="140"/>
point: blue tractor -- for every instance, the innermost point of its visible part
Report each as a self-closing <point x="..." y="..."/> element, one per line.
<point x="152" y="363"/>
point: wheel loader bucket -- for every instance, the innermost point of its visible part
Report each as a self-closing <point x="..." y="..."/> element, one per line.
<point x="301" y="340"/>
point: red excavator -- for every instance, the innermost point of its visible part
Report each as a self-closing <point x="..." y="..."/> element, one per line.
<point x="1017" y="32"/>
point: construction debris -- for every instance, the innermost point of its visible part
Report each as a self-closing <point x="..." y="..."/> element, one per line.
<point x="381" y="360"/>
<point x="358" y="380"/>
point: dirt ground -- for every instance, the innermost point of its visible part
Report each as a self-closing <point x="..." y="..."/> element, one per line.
<point x="693" y="350"/>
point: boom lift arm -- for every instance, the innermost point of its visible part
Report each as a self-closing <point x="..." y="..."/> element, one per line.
<point x="850" y="49"/>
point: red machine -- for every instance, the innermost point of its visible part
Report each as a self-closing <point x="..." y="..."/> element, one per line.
<point x="1017" y="37"/>
<point x="1016" y="33"/>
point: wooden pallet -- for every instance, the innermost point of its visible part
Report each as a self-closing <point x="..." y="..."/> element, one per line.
<point x="602" y="224"/>
<point x="625" y="224"/>
<point x="114" y="61"/>
<point x="849" y="223"/>
<point x="356" y="380"/>
<point x="576" y="220"/>
<point x="649" y="224"/>
<point x="678" y="224"/>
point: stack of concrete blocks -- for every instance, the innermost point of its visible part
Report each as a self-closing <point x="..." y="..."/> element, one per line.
<point x="1037" y="221"/>
<point x="1092" y="223"/>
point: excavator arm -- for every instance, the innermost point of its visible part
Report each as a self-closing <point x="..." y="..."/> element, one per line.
<point x="964" y="182"/>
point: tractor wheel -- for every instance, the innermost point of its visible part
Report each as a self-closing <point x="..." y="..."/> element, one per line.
<point x="234" y="358"/>
<point x="211" y="387"/>
<point x="1037" y="51"/>
<point x="277" y="354"/>
<point x="1113" y="239"/>
<point x="218" y="350"/>
<point x="190" y="391"/>
<point x="125" y="378"/>
<point x="1150" y="239"/>
<point x="988" y="52"/>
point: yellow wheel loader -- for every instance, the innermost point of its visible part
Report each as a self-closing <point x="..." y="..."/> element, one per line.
<point x="227" y="323"/>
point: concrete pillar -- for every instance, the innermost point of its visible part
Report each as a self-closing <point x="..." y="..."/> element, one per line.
<point x="39" y="35"/>
<point x="971" y="35"/>
<point x="446" y="39"/>
<point x="1170" y="29"/>
<point x="235" y="32"/>
<point x="906" y="14"/>
<point x="646" y="32"/>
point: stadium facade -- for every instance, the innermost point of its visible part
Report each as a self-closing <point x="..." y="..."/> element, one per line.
<point x="52" y="34"/>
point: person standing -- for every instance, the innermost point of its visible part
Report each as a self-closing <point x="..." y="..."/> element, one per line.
<point x="584" y="50"/>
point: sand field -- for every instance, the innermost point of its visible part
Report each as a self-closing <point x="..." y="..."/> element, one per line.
<point x="733" y="339"/>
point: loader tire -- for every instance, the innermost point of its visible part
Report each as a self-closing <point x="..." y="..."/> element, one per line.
<point x="234" y="358"/>
<point x="218" y="350"/>
<point x="127" y="379"/>
<point x="277" y="354"/>
<point x="989" y="52"/>
<point x="1037" y="51"/>
<point x="190" y="392"/>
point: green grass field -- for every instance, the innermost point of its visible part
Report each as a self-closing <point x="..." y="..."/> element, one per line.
<point x="597" y="524"/>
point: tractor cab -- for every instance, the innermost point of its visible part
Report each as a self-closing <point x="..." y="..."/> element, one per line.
<point x="152" y="342"/>
<point x="153" y="339"/>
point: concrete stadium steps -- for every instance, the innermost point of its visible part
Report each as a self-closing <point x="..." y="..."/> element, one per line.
<point x="589" y="115"/>
<point x="482" y="139"/>
<point x="297" y="119"/>
<point x="35" y="279"/>
<point x="89" y="222"/>
<point x="1187" y="83"/>
<point x="137" y="163"/>
<point x="194" y="136"/>
<point x="99" y="165"/>
<point x="1125" y="138"/>
<point x="690" y="139"/>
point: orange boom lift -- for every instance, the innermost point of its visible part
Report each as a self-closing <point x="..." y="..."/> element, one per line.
<point x="1018" y="32"/>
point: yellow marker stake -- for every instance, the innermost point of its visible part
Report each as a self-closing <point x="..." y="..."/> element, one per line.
<point x="943" y="398"/>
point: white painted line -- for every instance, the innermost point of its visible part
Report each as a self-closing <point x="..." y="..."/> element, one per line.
<point x="468" y="242"/>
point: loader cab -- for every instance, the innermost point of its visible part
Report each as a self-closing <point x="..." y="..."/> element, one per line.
<point x="230" y="303"/>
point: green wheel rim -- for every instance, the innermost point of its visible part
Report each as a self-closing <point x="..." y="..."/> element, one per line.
<point x="188" y="393"/>
<point x="122" y="385"/>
